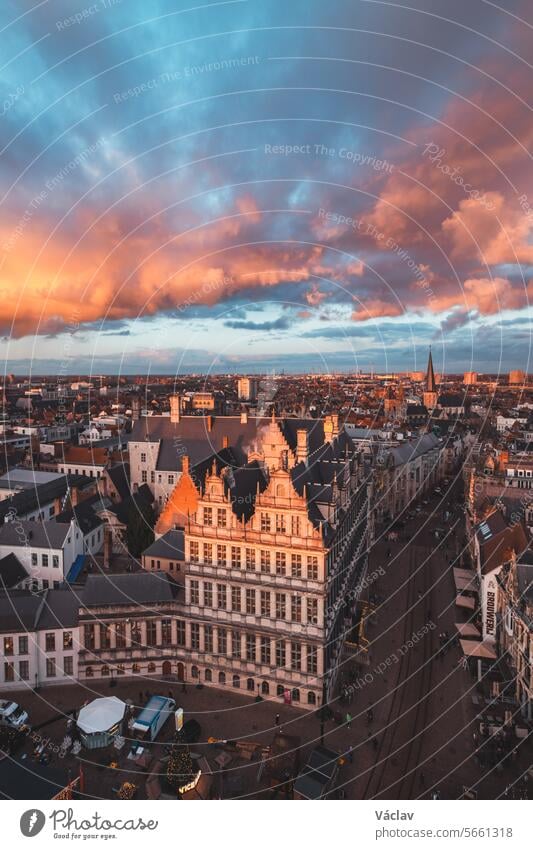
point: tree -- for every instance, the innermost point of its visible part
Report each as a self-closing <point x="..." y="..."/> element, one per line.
<point x="139" y="528"/>
<point x="180" y="769"/>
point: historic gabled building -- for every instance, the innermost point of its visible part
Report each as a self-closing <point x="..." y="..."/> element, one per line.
<point x="273" y="558"/>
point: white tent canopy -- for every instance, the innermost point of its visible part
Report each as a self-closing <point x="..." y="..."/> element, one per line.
<point x="101" y="715"/>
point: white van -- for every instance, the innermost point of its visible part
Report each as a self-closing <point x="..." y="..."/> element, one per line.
<point x="12" y="715"/>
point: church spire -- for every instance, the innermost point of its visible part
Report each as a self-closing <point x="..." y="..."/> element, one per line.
<point x="430" y="375"/>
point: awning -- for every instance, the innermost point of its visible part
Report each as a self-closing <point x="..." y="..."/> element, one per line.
<point x="465" y="584"/>
<point x="465" y="601"/>
<point x="473" y="648"/>
<point x="466" y="629"/>
<point x="463" y="573"/>
<point x="101" y="715"/>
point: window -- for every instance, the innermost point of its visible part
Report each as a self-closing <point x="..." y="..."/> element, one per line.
<point x="171" y="479"/>
<point x="55" y="561"/>
<point x="24" y="670"/>
<point x="281" y="606"/>
<point x="236" y="681"/>
<point x="221" y="596"/>
<point x="208" y="638"/>
<point x="105" y="637"/>
<point x="235" y="644"/>
<point x="143" y="458"/>
<point x="195" y="636"/>
<point x="51" y="667"/>
<point x="295" y="695"/>
<point x="296" y="526"/>
<point x="312" y="568"/>
<point x="46" y="584"/>
<point x="208" y="516"/>
<point x="221" y="555"/>
<point x="120" y="635"/>
<point x="151" y="633"/>
<point x="144" y="478"/>
<point x="180" y="635"/>
<point x="208" y="553"/>
<point x="265" y="561"/>
<point x="250" y="601"/>
<point x="280" y="690"/>
<point x="166" y="632"/>
<point x="195" y="592"/>
<point x="89" y="671"/>
<point x="45" y="561"/>
<point x="250" y="560"/>
<point x="250" y="647"/>
<point x="281" y="527"/>
<point x="312" y="610"/>
<point x="23" y="645"/>
<point x="88" y="636"/>
<point x="67" y="640"/>
<point x="235" y="557"/>
<point x="221" y="517"/>
<point x="194" y="552"/>
<point x="296" y="608"/>
<point x="312" y="659"/>
<point x="250" y="686"/>
<point x="280" y="654"/>
<point x="265" y="689"/>
<point x="50" y="642"/>
<point x="8" y="645"/>
<point x="222" y="641"/>
<point x="296" y="565"/>
<point x="208" y="676"/>
<point x="9" y="672"/>
<point x="265" y="603"/>
<point x="311" y="698"/>
<point x="195" y="672"/>
<point x="236" y="599"/>
<point x="296" y="656"/>
<point x="68" y="665"/>
<point x="281" y="562"/>
<point x="33" y="559"/>
<point x="265" y="522"/>
<point x="265" y="650"/>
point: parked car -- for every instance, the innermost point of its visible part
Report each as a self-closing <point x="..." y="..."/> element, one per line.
<point x="12" y="715"/>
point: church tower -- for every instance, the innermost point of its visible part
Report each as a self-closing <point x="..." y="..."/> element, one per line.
<point x="430" y="391"/>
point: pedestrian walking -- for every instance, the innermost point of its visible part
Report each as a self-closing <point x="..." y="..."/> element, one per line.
<point x="350" y="754"/>
<point x="349" y="720"/>
<point x="277" y="719"/>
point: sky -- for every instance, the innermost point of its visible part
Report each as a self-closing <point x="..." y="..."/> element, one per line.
<point x="258" y="185"/>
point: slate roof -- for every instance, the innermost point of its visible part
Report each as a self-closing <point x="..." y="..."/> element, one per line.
<point x="131" y="588"/>
<point x="48" y="534"/>
<point x="36" y="497"/>
<point x="170" y="546"/>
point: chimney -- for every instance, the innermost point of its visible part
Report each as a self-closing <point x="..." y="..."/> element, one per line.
<point x="185" y="464"/>
<point x="57" y="506"/>
<point x="174" y="409"/>
<point x="209" y="423"/>
<point x="225" y="442"/>
<point x="244" y="417"/>
<point x="302" y="445"/>
<point x="74" y="496"/>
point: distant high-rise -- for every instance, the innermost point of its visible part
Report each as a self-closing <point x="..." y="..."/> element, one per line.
<point x="247" y="388"/>
<point x="517" y="377"/>
<point x="470" y="377"/>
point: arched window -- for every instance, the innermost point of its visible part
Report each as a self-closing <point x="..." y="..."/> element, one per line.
<point x="250" y="685"/>
<point x="280" y="689"/>
<point x="221" y="677"/>
<point x="296" y="695"/>
<point x="236" y="681"/>
<point x="151" y="667"/>
<point x="311" y="698"/>
<point x="208" y="675"/>
<point x="265" y="689"/>
<point x="89" y="672"/>
<point x="280" y="489"/>
<point x="135" y="669"/>
<point x="194" y="672"/>
<point x="120" y="669"/>
<point x="105" y="670"/>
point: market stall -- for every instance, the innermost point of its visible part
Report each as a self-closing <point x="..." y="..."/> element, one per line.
<point x="100" y="721"/>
